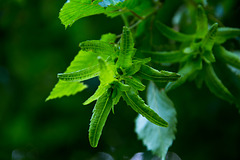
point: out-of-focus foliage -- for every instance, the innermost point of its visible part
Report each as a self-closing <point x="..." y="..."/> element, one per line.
<point x="35" y="46"/>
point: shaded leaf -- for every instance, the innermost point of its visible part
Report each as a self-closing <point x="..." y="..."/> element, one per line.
<point x="227" y="56"/>
<point x="208" y="40"/>
<point x="202" y="22"/>
<point x="165" y="56"/>
<point x="225" y="33"/>
<point x="136" y="84"/>
<point x="140" y="107"/>
<point x="106" y="3"/>
<point x="172" y="34"/>
<point x="215" y="85"/>
<point x="155" y="138"/>
<point x="186" y="72"/>
<point x="99" y="117"/>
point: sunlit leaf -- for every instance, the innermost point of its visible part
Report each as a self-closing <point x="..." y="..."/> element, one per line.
<point x="136" y="84"/>
<point x="99" y="117"/>
<point x="157" y="139"/>
<point x="149" y="73"/>
<point x="140" y="107"/>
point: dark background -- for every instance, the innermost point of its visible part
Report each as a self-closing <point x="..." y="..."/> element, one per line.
<point x="34" y="47"/>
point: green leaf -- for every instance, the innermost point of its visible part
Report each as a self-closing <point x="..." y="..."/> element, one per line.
<point x="109" y="38"/>
<point x="102" y="88"/>
<point x="63" y="88"/>
<point x="157" y="139"/>
<point x="82" y="61"/>
<point x="122" y="87"/>
<point x="186" y="72"/>
<point x="126" y="49"/>
<point x="172" y="34"/>
<point x="136" y="66"/>
<point x="208" y="56"/>
<point x="149" y="73"/>
<point x="100" y="47"/>
<point x="116" y="96"/>
<point x="81" y="75"/>
<point x="136" y="84"/>
<point x="227" y="56"/>
<point x="165" y="56"/>
<point x="215" y="85"/>
<point x="140" y="107"/>
<point x="99" y="117"/>
<point x="208" y="41"/>
<point x="225" y="33"/>
<point x="107" y="71"/>
<point x="76" y="9"/>
<point x="202" y="22"/>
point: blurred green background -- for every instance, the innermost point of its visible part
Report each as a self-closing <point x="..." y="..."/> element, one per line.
<point x="35" y="47"/>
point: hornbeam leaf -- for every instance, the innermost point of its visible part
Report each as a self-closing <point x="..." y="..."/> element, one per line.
<point x="166" y="57"/>
<point x="99" y="117"/>
<point x="121" y="86"/>
<point x="208" y="40"/>
<point x="225" y="33"/>
<point x="116" y="96"/>
<point x="99" y="47"/>
<point x="202" y="22"/>
<point x="102" y="88"/>
<point x="136" y="84"/>
<point x="149" y="73"/>
<point x="227" y="56"/>
<point x="157" y="139"/>
<point x="63" y="88"/>
<point x="76" y="9"/>
<point x="139" y="106"/>
<point x="81" y="75"/>
<point x="126" y="49"/>
<point x="109" y="38"/>
<point x="106" y="71"/>
<point x="172" y="34"/>
<point x="136" y="66"/>
<point x="215" y="85"/>
<point x="81" y="61"/>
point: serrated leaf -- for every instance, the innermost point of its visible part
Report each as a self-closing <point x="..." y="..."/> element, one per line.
<point x="208" y="40"/>
<point x="225" y="33"/>
<point x="81" y="75"/>
<point x="136" y="84"/>
<point x="140" y="107"/>
<point x="63" y="88"/>
<point x="149" y="73"/>
<point x="81" y="61"/>
<point x="157" y="139"/>
<point x="76" y="9"/>
<point x="202" y="22"/>
<point x="116" y="96"/>
<point x="172" y="34"/>
<point x="102" y="88"/>
<point x="227" y="56"/>
<point x="186" y="72"/>
<point x="99" y="117"/>
<point x="165" y="56"/>
<point x="215" y="85"/>
<point x="126" y="49"/>
<point x="100" y="47"/>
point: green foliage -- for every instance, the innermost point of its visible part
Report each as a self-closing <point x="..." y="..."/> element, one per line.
<point x="157" y="139"/>
<point x="121" y="68"/>
<point x="117" y="79"/>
